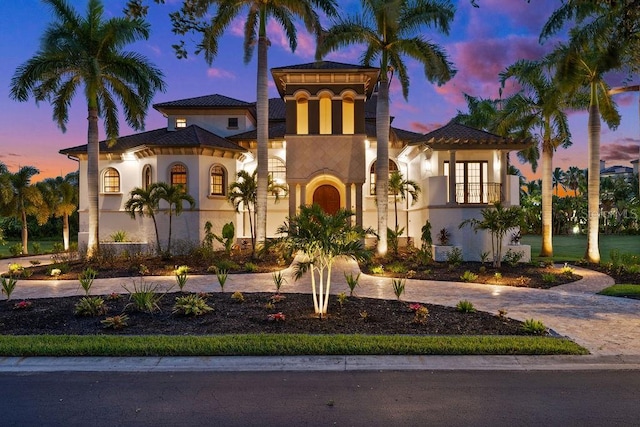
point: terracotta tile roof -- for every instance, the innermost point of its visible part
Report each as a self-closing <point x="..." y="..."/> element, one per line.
<point x="277" y="109"/>
<point x="191" y="136"/>
<point x="396" y="134"/>
<point x="457" y="136"/>
<point x="207" y="101"/>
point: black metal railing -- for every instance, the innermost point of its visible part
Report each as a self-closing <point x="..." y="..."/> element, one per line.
<point x="488" y="192"/>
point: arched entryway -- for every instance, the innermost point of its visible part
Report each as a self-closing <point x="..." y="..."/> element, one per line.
<point x="328" y="197"/>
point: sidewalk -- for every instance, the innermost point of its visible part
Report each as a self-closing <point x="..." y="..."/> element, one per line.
<point x="606" y="326"/>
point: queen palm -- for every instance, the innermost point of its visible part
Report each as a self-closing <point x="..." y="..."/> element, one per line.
<point x="25" y="199"/>
<point x="572" y="178"/>
<point x="558" y="179"/>
<point x="145" y="202"/>
<point x="195" y="16"/>
<point x="402" y="188"/>
<point x="86" y="53"/>
<point x="391" y="30"/>
<point x="174" y="196"/>
<point x="540" y="108"/>
<point x="61" y="195"/>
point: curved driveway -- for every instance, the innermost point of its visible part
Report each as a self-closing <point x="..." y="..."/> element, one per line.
<point x="604" y="325"/>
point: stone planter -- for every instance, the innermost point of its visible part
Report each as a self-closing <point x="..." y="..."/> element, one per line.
<point x="440" y="253"/>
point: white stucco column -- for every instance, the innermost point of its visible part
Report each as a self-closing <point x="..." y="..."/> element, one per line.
<point x="503" y="176"/>
<point x="452" y="177"/>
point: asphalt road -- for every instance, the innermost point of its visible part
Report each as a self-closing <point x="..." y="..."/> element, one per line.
<point x="417" y="398"/>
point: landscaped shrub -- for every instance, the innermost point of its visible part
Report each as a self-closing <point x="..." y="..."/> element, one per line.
<point x="398" y="287"/>
<point x="465" y="306"/>
<point x="119" y="236"/>
<point x="16" y="249"/>
<point x="237" y="296"/>
<point x="86" y="279"/>
<point x="90" y="306"/>
<point x="8" y="286"/>
<point x="250" y="267"/>
<point x="182" y="276"/>
<point x="23" y="305"/>
<point x="513" y="257"/>
<point x="534" y="327"/>
<point x="454" y="257"/>
<point x="352" y="282"/>
<point x="191" y="305"/>
<point x="226" y="264"/>
<point x="15" y="269"/>
<point x="549" y="278"/>
<point x="144" y="297"/>
<point x="116" y="322"/>
<point x="397" y="267"/>
<point x="278" y="280"/>
<point x="377" y="269"/>
<point x="37" y="248"/>
<point x="444" y="236"/>
<point x="468" y="276"/>
<point x="222" y="278"/>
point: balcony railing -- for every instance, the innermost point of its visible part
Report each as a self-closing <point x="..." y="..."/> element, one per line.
<point x="488" y="192"/>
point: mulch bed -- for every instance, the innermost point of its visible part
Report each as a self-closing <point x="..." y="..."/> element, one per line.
<point x="356" y="316"/>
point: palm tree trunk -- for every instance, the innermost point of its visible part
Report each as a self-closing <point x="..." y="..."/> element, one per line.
<point x="65" y="231"/>
<point x="593" y="251"/>
<point x="169" y="242"/>
<point x="382" y="163"/>
<point x="547" y="199"/>
<point x="93" y="153"/>
<point x="155" y="227"/>
<point x="25" y="232"/>
<point x="262" y="107"/>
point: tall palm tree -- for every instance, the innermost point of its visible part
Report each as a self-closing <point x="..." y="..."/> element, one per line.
<point x="196" y="17"/>
<point x="145" y="202"/>
<point x="174" y="195"/>
<point x="402" y="188"/>
<point x="540" y="108"/>
<point x="87" y="53"/>
<point x="24" y="200"/>
<point x="391" y="30"/>
<point x="583" y="66"/>
<point x="61" y="194"/>
<point x="572" y="178"/>
<point x="557" y="180"/>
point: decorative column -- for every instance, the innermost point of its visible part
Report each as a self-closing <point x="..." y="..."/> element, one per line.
<point x="303" y="195"/>
<point x="359" y="205"/>
<point x="503" y="176"/>
<point x="347" y="188"/>
<point x="293" y="188"/>
<point x="452" y="177"/>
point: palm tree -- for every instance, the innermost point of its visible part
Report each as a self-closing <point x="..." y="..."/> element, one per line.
<point x="322" y="238"/>
<point x="145" y="202"/>
<point x="87" y="53"/>
<point x="557" y="180"/>
<point x="540" y="107"/>
<point x="174" y="195"/>
<point x="195" y="17"/>
<point x="244" y="192"/>
<point x="400" y="187"/>
<point x="24" y="200"/>
<point x="61" y="195"/>
<point x="572" y="179"/>
<point x="390" y="30"/>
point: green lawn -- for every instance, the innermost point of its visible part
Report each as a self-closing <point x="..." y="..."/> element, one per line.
<point x="46" y="246"/>
<point x="626" y="291"/>
<point x="573" y="247"/>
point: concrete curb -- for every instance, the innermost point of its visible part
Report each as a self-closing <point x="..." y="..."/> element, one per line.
<point x="317" y="363"/>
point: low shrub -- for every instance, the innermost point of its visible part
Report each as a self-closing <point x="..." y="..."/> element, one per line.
<point x="513" y="257"/>
<point x="191" y="305"/>
<point x="352" y="282"/>
<point x="454" y="257"/>
<point x="182" y="276"/>
<point x="144" y="297"/>
<point x="118" y="322"/>
<point x="549" y="278"/>
<point x="8" y="286"/>
<point x="398" y="287"/>
<point x="250" y="267"/>
<point x="237" y="296"/>
<point x="397" y="267"/>
<point x="16" y="249"/>
<point x="468" y="276"/>
<point x="534" y="327"/>
<point x="465" y="306"/>
<point x="90" y="306"/>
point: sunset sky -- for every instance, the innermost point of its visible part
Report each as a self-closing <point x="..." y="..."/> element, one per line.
<point x="482" y="43"/>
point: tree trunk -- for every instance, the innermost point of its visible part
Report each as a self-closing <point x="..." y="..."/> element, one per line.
<point x="262" y="107"/>
<point x="65" y="231"/>
<point x="382" y="164"/>
<point x="25" y="232"/>
<point x="547" y="199"/>
<point x="593" y="251"/>
<point x="93" y="186"/>
<point x="155" y="227"/>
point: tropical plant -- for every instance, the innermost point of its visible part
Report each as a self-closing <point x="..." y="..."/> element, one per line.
<point x="398" y="287"/>
<point x="469" y="276"/>
<point x="88" y="51"/>
<point x="352" y="282"/>
<point x="8" y="285"/>
<point x="228" y="236"/>
<point x="145" y="202"/>
<point x="61" y="195"/>
<point x="144" y="297"/>
<point x="191" y="305"/>
<point x="322" y="238"/>
<point x="174" y="196"/>
<point x="558" y="179"/>
<point x="534" y="327"/>
<point x="222" y="275"/>
<point x="403" y="188"/>
<point x="465" y="306"/>
<point x="390" y="30"/>
<point x="278" y="280"/>
<point x="499" y="221"/>
<point x="86" y="279"/>
<point x="24" y="199"/>
<point x="182" y="275"/>
<point x="90" y="306"/>
<point x="117" y="322"/>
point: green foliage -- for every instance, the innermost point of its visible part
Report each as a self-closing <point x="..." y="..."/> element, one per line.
<point x="534" y="327"/>
<point x="342" y="298"/>
<point x="228" y="237"/>
<point x="425" y="237"/>
<point x="250" y="267"/>
<point x="90" y="306"/>
<point x="221" y="275"/>
<point x="352" y="282"/>
<point x="513" y="257"/>
<point x="191" y="305"/>
<point x="119" y="236"/>
<point x="278" y="280"/>
<point x="86" y="279"/>
<point x="465" y="306"/>
<point x="393" y="238"/>
<point x="468" y="276"/>
<point x="237" y="296"/>
<point x="398" y="287"/>
<point x="566" y="270"/>
<point x="397" y="267"/>
<point x="484" y="256"/>
<point x="16" y="249"/>
<point x="57" y="247"/>
<point x="117" y="322"/>
<point x="376" y="269"/>
<point x="15" y="269"/>
<point x="37" y="248"/>
<point x="622" y="290"/>
<point x="444" y="236"/>
<point x="8" y="286"/>
<point x="549" y="278"/>
<point x="226" y="264"/>
<point x="497" y="275"/>
<point x="144" y="297"/>
<point x="182" y="275"/>
<point x="63" y="268"/>
<point x="454" y="257"/>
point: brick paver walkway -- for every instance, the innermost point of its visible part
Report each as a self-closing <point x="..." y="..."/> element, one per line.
<point x="604" y="325"/>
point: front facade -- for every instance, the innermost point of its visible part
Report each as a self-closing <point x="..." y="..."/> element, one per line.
<point x="322" y="145"/>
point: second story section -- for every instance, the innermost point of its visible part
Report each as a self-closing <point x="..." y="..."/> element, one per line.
<point x="218" y="114"/>
<point x="325" y="98"/>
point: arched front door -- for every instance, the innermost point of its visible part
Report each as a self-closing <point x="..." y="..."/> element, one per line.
<point x="328" y="197"/>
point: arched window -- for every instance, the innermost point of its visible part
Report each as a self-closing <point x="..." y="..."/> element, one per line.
<point x="111" y="181"/>
<point x="178" y="175"/>
<point x="302" y="116"/>
<point x="325" y="114"/>
<point x="278" y="174"/>
<point x="372" y="175"/>
<point x="146" y="177"/>
<point x="348" y="115"/>
<point x="218" y="181"/>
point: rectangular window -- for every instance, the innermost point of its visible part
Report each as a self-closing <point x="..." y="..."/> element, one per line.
<point x="302" y="117"/>
<point x="181" y="123"/>
<point x="472" y="184"/>
<point x="232" y="123"/>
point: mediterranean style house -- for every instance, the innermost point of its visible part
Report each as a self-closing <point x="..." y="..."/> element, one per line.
<point x="322" y="145"/>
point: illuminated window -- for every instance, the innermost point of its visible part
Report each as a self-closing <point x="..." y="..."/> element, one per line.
<point x="181" y="123"/>
<point x="472" y="184"/>
<point x="111" y="181"/>
<point x="325" y="114"/>
<point x="348" y="115"/>
<point x="178" y="175"/>
<point x="302" y="116"/>
<point x="372" y="175"/>
<point x="146" y="177"/>
<point x="218" y="180"/>
<point x="278" y="174"/>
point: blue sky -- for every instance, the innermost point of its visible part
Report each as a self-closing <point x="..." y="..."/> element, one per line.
<point x="482" y="42"/>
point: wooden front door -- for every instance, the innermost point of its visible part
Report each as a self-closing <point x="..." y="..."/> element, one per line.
<point x="328" y="197"/>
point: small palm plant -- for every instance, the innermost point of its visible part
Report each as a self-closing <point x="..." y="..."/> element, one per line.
<point x="352" y="282"/>
<point x="86" y="279"/>
<point x="278" y="280"/>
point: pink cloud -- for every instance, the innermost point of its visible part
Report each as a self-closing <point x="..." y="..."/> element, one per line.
<point x="237" y="26"/>
<point x="424" y="127"/>
<point x="623" y="150"/>
<point x="403" y="106"/>
<point x="218" y="73"/>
